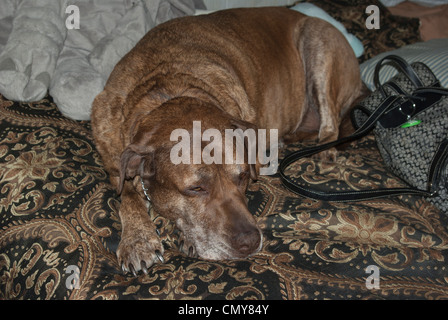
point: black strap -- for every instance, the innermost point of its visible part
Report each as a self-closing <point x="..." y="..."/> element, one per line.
<point x="403" y="66"/>
<point x="437" y="165"/>
<point x="410" y="105"/>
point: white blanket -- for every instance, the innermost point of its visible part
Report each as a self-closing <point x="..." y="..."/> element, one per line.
<point x="40" y="51"/>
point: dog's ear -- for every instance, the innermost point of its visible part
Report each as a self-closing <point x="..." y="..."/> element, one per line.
<point x="134" y="163"/>
<point x="244" y="125"/>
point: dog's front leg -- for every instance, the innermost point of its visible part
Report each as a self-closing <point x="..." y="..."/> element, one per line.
<point x="140" y="246"/>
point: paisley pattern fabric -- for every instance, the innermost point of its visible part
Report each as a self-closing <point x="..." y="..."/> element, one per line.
<point x="59" y="228"/>
<point x="59" y="224"/>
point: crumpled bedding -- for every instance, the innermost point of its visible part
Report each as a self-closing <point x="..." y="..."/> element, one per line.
<point x="39" y="52"/>
<point x="433" y="20"/>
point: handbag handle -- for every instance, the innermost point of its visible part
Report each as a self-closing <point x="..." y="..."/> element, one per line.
<point x="367" y="126"/>
<point x="437" y="164"/>
<point x="403" y="66"/>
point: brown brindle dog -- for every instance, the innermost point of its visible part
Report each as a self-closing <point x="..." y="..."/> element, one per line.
<point x="270" y="68"/>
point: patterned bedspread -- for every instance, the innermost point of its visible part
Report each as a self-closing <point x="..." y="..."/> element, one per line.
<point x="59" y="228"/>
<point x="59" y="224"/>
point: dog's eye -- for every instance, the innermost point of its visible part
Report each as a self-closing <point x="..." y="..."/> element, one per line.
<point x="195" y="190"/>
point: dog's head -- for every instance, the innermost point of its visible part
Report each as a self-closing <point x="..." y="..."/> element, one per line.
<point x="205" y="199"/>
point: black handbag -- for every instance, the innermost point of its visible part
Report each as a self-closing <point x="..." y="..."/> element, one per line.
<point x="409" y="118"/>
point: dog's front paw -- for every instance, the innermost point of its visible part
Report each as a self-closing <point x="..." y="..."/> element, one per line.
<point x="138" y="250"/>
<point x="186" y="246"/>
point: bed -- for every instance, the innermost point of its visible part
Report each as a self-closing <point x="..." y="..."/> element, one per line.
<point x="59" y="224"/>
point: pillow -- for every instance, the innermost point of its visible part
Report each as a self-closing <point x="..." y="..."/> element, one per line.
<point x="433" y="53"/>
<point x="394" y="32"/>
<point x="311" y="10"/>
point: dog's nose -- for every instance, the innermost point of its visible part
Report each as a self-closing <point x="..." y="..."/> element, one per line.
<point x="247" y="241"/>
